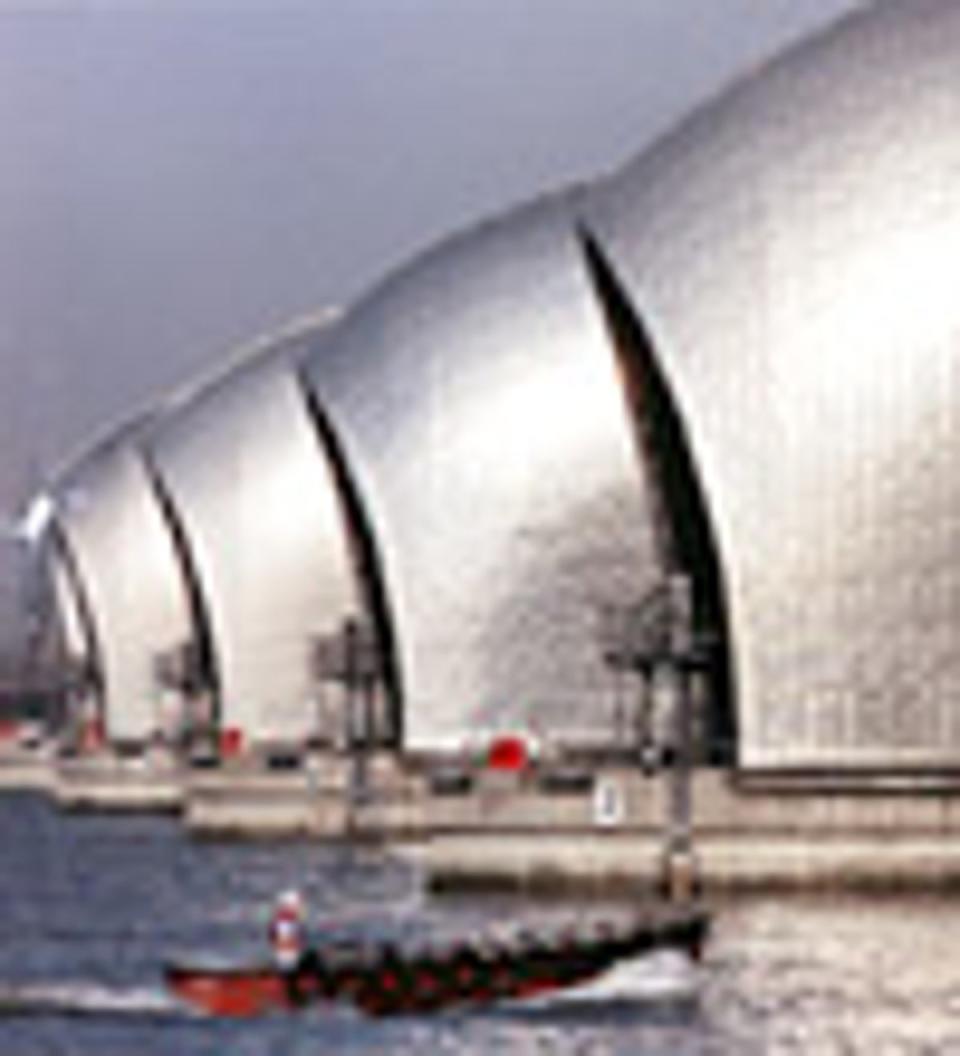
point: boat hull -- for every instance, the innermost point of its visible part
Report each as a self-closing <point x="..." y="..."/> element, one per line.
<point x="231" y="992"/>
<point x="388" y="982"/>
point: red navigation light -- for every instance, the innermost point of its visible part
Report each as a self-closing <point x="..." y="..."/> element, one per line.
<point x="231" y="742"/>
<point x="508" y="753"/>
<point x="93" y="735"/>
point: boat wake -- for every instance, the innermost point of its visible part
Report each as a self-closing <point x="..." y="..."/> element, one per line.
<point x="86" y="999"/>
<point x="667" y="978"/>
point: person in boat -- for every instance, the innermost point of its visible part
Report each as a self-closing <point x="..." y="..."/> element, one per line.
<point x="287" y="931"/>
<point x="303" y="968"/>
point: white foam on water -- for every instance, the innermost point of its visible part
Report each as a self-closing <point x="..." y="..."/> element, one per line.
<point x="666" y="976"/>
<point x="83" y="998"/>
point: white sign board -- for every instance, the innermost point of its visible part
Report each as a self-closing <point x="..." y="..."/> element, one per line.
<point x="609" y="807"/>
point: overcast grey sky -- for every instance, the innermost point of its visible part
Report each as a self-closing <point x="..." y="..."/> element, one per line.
<point x="178" y="176"/>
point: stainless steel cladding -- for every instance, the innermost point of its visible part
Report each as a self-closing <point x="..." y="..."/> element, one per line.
<point x="133" y="585"/>
<point x="477" y="403"/>
<point x="794" y="252"/>
<point x="56" y="591"/>
<point x="242" y="465"/>
<point x="75" y="633"/>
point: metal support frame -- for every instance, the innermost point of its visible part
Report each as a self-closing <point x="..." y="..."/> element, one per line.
<point x="352" y="658"/>
<point x="655" y="640"/>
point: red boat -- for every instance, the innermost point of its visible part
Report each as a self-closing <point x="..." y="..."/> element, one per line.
<point x="388" y="981"/>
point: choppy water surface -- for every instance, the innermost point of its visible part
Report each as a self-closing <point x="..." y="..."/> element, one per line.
<point x="91" y="907"/>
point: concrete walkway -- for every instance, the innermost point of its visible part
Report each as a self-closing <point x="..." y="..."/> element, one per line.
<point x="602" y="828"/>
<point x="760" y="837"/>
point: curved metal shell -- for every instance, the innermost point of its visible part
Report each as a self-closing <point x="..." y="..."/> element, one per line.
<point x="111" y="523"/>
<point x="242" y="465"/>
<point x="477" y="402"/>
<point x="794" y="250"/>
<point x="75" y="634"/>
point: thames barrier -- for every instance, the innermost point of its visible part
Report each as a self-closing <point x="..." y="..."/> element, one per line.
<point x="613" y="538"/>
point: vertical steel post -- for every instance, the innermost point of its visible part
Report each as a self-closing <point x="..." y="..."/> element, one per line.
<point x="643" y="738"/>
<point x="680" y="867"/>
<point x="358" y="792"/>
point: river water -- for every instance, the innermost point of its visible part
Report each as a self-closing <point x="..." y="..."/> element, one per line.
<point x="92" y="906"/>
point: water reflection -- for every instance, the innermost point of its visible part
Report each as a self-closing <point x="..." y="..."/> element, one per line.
<point x="837" y="975"/>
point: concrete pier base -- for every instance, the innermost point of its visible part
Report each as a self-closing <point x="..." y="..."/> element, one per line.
<point x="627" y="862"/>
<point x="743" y="837"/>
<point x="109" y="782"/>
<point x="244" y="800"/>
<point x="600" y="830"/>
<point x="26" y="770"/>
